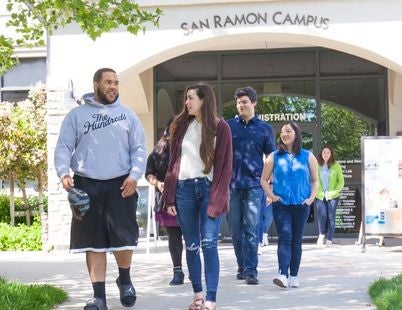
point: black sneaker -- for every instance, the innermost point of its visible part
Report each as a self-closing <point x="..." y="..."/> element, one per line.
<point x="252" y="280"/>
<point x="128" y="296"/>
<point x="95" y="304"/>
<point x="240" y="275"/>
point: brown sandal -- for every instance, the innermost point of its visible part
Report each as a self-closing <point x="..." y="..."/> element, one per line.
<point x="197" y="304"/>
<point x="210" y="306"/>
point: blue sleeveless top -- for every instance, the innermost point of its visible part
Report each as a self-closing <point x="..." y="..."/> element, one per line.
<point x="292" y="177"/>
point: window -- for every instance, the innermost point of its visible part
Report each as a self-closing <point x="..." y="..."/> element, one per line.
<point x="190" y="67"/>
<point x="362" y="95"/>
<point x="268" y="65"/>
<point x="16" y="83"/>
<point x="337" y="63"/>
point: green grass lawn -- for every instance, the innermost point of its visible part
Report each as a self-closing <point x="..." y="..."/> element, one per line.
<point x="18" y="296"/>
<point x="386" y="294"/>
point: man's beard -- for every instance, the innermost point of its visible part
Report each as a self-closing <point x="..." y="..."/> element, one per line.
<point x="103" y="98"/>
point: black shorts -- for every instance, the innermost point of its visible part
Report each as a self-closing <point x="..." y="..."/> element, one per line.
<point x="110" y="224"/>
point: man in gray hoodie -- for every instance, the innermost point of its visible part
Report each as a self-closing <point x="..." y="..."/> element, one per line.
<point x="103" y="143"/>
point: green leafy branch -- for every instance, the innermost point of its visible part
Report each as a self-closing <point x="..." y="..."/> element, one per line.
<point x="34" y="19"/>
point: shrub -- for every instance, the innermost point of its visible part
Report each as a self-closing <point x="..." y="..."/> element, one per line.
<point x="21" y="237"/>
<point x="19" y="206"/>
<point x="386" y="294"/>
<point x="18" y="296"/>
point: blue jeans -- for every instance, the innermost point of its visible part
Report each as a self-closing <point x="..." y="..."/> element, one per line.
<point x="266" y="218"/>
<point x="326" y="210"/>
<point x="199" y="230"/>
<point x="290" y="222"/>
<point x="244" y="217"/>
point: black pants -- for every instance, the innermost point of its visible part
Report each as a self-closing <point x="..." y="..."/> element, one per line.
<point x="110" y="223"/>
<point x="175" y="244"/>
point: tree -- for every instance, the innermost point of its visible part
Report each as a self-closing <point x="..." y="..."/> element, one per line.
<point x="34" y="19"/>
<point x="342" y="129"/>
<point x="6" y="150"/>
<point x="23" y="151"/>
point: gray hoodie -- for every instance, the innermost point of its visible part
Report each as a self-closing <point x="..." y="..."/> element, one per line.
<point x="101" y="142"/>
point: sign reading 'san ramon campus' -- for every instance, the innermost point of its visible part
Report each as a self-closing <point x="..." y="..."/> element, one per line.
<point x="254" y="18"/>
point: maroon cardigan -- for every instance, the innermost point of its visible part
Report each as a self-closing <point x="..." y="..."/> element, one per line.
<point x="222" y="173"/>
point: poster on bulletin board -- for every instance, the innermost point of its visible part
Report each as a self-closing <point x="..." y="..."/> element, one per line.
<point x="382" y="185"/>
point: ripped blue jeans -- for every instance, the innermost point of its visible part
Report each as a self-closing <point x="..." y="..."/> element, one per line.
<point x="199" y="232"/>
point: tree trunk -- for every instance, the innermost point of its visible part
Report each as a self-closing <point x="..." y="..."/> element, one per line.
<point x="43" y="214"/>
<point x="12" y="206"/>
<point x="26" y="204"/>
<point x="40" y="191"/>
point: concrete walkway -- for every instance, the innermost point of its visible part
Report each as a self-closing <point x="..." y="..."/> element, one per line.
<point x="331" y="278"/>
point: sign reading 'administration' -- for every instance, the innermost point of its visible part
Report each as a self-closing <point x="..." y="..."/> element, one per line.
<point x="253" y="18"/>
<point x="280" y="117"/>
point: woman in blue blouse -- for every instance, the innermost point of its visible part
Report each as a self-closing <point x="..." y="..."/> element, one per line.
<point x="295" y="184"/>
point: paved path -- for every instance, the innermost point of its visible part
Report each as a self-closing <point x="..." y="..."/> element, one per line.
<point x="331" y="278"/>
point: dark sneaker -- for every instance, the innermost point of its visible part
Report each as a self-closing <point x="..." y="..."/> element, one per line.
<point x="240" y="275"/>
<point x="128" y="296"/>
<point x="95" y="304"/>
<point x="252" y="280"/>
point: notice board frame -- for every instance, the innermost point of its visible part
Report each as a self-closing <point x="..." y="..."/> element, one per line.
<point x="381" y="155"/>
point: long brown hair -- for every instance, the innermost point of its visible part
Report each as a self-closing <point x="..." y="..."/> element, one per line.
<point x="331" y="159"/>
<point x="209" y="116"/>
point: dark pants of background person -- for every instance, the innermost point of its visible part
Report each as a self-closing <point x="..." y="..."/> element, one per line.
<point x="175" y="245"/>
<point x="266" y="218"/>
<point x="326" y="210"/>
<point x="244" y="217"/>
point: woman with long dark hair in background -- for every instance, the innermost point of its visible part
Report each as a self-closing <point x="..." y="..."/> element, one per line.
<point x="155" y="172"/>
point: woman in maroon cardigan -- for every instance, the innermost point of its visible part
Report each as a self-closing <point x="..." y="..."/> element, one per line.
<point x="197" y="185"/>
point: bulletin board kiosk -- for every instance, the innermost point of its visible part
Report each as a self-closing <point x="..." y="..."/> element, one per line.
<point x="381" y="188"/>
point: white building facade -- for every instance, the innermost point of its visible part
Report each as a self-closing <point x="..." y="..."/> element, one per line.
<point x="285" y="49"/>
